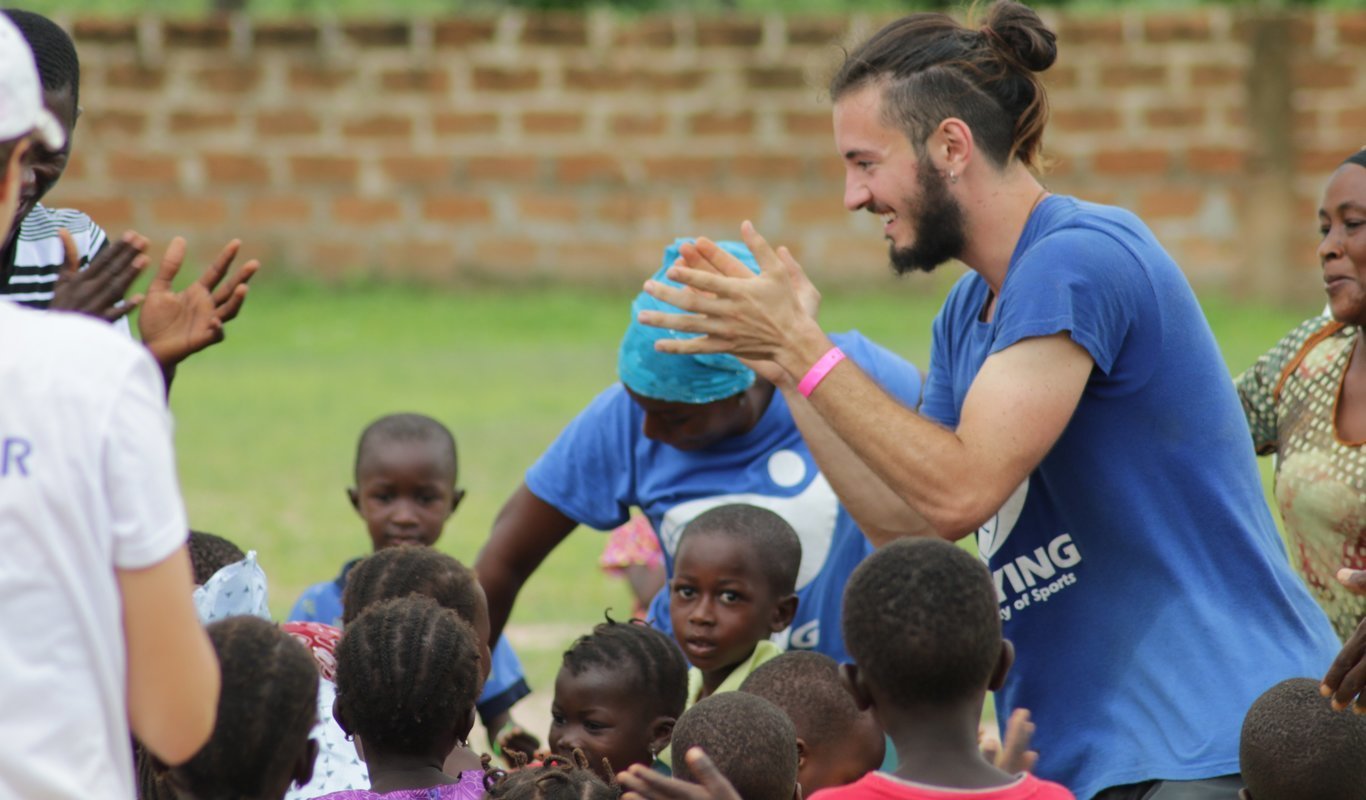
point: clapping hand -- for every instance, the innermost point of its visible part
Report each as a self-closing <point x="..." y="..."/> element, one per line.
<point x="642" y="783"/>
<point x="99" y="289"/>
<point x="175" y="325"/>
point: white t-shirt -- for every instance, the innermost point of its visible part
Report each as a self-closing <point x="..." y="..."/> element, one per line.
<point x="87" y="485"/>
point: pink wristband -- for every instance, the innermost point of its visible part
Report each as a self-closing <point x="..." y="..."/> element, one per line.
<point x="819" y="370"/>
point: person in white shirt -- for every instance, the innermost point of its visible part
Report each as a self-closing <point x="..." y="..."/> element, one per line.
<point x="98" y="633"/>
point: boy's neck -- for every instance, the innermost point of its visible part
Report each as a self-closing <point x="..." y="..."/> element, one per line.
<point x="937" y="746"/>
<point x="711" y="681"/>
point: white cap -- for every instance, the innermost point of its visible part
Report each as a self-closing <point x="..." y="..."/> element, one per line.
<point x="21" y="95"/>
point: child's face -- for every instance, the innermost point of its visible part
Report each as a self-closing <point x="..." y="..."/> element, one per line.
<point x="721" y="604"/>
<point x="599" y="712"/>
<point x="695" y="426"/>
<point x="405" y="491"/>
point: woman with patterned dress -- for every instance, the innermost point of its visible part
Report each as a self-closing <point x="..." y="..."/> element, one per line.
<point x="1306" y="402"/>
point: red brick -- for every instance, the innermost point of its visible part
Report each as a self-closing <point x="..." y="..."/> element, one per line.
<point x="631" y="209"/>
<point x="698" y="169"/>
<point x="193" y="211"/>
<point x="201" y="33"/>
<point x="597" y="260"/>
<point x="648" y="33"/>
<point x="287" y="123"/>
<point x="1318" y="160"/>
<point x="597" y="79"/>
<point x="815" y="211"/>
<point x="233" y="79"/>
<point x="324" y="169"/>
<point x="291" y="33"/>
<point x="1236" y="117"/>
<point x="1170" y="202"/>
<point x="1352" y="118"/>
<point x="654" y="124"/>
<point x="1061" y="77"/>
<point x="134" y="76"/>
<point x="76" y="168"/>
<point x="1189" y="27"/>
<point x="419" y="170"/>
<point x="456" y="208"/>
<point x="429" y="261"/>
<point x="716" y="123"/>
<point x="433" y="81"/>
<point x="281" y="211"/>
<point x="114" y="122"/>
<point x="1350" y="28"/>
<point x="1216" y="160"/>
<point x="1131" y="162"/>
<point x="378" y="127"/>
<point x="376" y="33"/>
<point x="511" y="79"/>
<point x="1083" y="120"/>
<point x="1074" y="31"/>
<point x="502" y="168"/>
<point x="727" y="208"/>
<point x="767" y="167"/>
<point x="105" y="31"/>
<point x="1300" y="28"/>
<point x="729" y="32"/>
<point x="463" y="32"/>
<point x="501" y="252"/>
<point x="234" y="168"/>
<point x="201" y="121"/>
<point x="362" y="211"/>
<point x="767" y="78"/>
<point x="1124" y="76"/>
<point x="808" y="123"/>
<point x="313" y="77"/>
<point x="552" y="122"/>
<point x="669" y="80"/>
<point x="136" y="168"/>
<point x="460" y="124"/>
<point x="114" y="214"/>
<point x="1324" y="73"/>
<point x="1213" y="75"/>
<point x="1175" y="117"/>
<point x="561" y="30"/>
<point x="588" y="169"/>
<point x="819" y="31"/>
<point x="536" y="207"/>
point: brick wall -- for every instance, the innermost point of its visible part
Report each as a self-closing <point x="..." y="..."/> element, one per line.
<point x="575" y="146"/>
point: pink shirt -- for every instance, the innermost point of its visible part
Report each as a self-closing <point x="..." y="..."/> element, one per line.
<point x="881" y="786"/>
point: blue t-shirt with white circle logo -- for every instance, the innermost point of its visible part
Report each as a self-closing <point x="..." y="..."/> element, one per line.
<point x="602" y="465"/>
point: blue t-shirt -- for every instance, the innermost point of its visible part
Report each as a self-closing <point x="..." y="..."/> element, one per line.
<point x="506" y="684"/>
<point x="1139" y="571"/>
<point x="602" y="465"/>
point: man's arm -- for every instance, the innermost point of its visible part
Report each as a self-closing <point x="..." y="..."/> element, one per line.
<point x="524" y="533"/>
<point x="173" y="676"/>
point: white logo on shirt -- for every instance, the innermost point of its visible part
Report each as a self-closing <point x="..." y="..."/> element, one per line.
<point x="996" y="530"/>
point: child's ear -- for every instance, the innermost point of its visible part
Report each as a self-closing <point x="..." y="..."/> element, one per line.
<point x="354" y="497"/>
<point x="661" y="732"/>
<point x="303" y="768"/>
<point x="456" y="497"/>
<point x="1003" y="664"/>
<point x="462" y="732"/>
<point x="802" y="754"/>
<point x="783" y="613"/>
<point x="853" y="683"/>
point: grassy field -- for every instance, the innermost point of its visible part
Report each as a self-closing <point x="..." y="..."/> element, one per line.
<point x="266" y="423"/>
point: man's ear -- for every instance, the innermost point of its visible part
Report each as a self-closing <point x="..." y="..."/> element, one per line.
<point x="783" y="613"/>
<point x="661" y="732"/>
<point x="456" y="497"/>
<point x="354" y="497"/>
<point x="952" y="146"/>
<point x="803" y="753"/>
<point x="853" y="683"/>
<point x="303" y="768"/>
<point x="1003" y="664"/>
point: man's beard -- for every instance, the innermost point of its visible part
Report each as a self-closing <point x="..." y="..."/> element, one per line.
<point x="937" y="219"/>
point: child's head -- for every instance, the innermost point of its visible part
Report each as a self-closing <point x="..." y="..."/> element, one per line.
<point x="734" y="582"/>
<point x="836" y="742"/>
<point x="619" y="691"/>
<point x="558" y="778"/>
<point x="209" y="554"/>
<point x="1295" y="745"/>
<point x="266" y="709"/>
<point x="922" y="624"/>
<point x="749" y="739"/>
<point x="407" y="679"/>
<point x="402" y="571"/>
<point x="405" y="480"/>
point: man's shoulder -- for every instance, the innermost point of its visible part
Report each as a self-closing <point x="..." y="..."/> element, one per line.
<point x="43" y="223"/>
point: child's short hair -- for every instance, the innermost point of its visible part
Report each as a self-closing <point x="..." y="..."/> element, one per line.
<point x="209" y="553"/>
<point x="405" y="428"/>
<point x="407" y="669"/>
<point x="921" y="620"/>
<point x="557" y="778"/>
<point x="1295" y="745"/>
<point x="266" y="708"/>
<point x="806" y="686"/>
<point x="751" y="741"/>
<point x="647" y="658"/>
<point x="400" y="571"/>
<point x="770" y="535"/>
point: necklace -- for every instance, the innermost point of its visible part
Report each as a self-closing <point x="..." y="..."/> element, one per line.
<point x="1037" y="199"/>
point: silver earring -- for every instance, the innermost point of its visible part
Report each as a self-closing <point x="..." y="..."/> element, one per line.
<point x="953" y="177"/>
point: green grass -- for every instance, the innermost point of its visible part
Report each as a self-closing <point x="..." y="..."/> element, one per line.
<point x="266" y="423"/>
